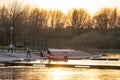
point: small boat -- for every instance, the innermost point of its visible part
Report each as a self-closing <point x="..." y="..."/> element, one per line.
<point x="56" y="58"/>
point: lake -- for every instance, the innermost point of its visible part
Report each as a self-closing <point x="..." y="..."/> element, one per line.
<point x="55" y="73"/>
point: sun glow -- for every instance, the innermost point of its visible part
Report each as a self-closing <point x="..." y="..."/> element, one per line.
<point x="90" y="5"/>
<point x="57" y="73"/>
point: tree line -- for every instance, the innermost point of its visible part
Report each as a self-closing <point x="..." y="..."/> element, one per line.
<point x="34" y="22"/>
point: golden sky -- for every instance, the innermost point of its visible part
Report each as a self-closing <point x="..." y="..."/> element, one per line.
<point x="91" y="6"/>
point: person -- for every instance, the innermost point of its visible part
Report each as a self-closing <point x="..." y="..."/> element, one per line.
<point x="28" y="52"/>
<point x="11" y="46"/>
<point x="41" y="55"/>
<point x="48" y="52"/>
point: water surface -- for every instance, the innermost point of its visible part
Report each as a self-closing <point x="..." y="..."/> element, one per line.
<point x="53" y="73"/>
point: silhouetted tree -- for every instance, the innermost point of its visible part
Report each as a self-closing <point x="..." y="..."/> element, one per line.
<point x="79" y="19"/>
<point x="4" y="23"/>
<point x="102" y="18"/>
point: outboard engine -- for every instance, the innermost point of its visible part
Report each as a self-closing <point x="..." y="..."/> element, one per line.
<point x="66" y="58"/>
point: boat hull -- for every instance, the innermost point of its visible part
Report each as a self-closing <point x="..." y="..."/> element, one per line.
<point x="56" y="58"/>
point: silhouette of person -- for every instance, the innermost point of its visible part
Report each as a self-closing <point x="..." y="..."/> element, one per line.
<point x="41" y="55"/>
<point x="48" y="52"/>
<point x="11" y="46"/>
<point x="28" y="52"/>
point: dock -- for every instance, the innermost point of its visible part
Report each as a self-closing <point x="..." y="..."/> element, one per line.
<point x="90" y="61"/>
<point x="79" y="64"/>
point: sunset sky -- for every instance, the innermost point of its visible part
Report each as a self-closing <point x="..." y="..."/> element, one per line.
<point x="91" y="6"/>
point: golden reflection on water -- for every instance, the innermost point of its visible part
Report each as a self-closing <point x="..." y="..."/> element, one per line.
<point x="55" y="73"/>
<point x="84" y="74"/>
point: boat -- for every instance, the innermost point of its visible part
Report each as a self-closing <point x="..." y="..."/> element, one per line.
<point x="56" y="58"/>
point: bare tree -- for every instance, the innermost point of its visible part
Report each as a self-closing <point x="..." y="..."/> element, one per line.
<point x="55" y="18"/>
<point x="79" y="19"/>
<point x="75" y="18"/>
<point x="118" y="20"/>
<point x="16" y="18"/>
<point x="4" y="23"/>
<point x="38" y="21"/>
<point x="113" y="18"/>
<point x="24" y="23"/>
<point x="102" y="18"/>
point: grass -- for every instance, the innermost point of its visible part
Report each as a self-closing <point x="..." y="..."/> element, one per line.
<point x="7" y="47"/>
<point x="100" y="40"/>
